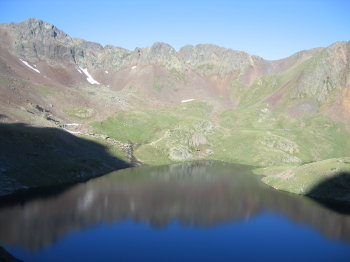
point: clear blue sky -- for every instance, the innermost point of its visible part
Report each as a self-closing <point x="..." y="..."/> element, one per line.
<point x="269" y="28"/>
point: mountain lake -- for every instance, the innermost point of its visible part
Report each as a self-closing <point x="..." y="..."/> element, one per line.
<point x="195" y="211"/>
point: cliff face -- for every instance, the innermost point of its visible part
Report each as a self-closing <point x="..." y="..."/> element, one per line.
<point x="35" y="40"/>
<point x="325" y="72"/>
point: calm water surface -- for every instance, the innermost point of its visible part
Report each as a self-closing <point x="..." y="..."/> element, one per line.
<point x="200" y="211"/>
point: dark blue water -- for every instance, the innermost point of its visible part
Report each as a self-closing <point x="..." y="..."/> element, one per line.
<point x="195" y="212"/>
<point x="267" y="236"/>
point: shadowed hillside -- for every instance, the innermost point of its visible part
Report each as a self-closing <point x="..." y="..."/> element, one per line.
<point x="333" y="192"/>
<point x="33" y="157"/>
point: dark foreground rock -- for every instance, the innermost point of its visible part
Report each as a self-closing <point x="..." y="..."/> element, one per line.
<point x="7" y="257"/>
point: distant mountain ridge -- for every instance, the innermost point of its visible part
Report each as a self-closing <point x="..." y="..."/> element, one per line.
<point x="37" y="40"/>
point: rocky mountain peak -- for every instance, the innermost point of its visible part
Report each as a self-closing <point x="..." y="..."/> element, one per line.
<point x="160" y="53"/>
<point x="34" y="23"/>
<point x="35" y="40"/>
<point x="163" y="48"/>
<point x="37" y="29"/>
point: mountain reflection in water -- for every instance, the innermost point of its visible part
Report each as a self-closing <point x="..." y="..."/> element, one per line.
<point x="199" y="194"/>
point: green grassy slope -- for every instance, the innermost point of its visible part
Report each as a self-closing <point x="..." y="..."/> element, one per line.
<point x="253" y="135"/>
<point x="328" y="178"/>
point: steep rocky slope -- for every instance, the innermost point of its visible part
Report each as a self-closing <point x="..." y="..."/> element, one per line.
<point x="201" y="102"/>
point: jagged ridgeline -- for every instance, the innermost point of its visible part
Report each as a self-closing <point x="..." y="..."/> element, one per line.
<point x="157" y="105"/>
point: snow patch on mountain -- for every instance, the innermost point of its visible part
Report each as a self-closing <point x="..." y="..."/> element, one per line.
<point x="187" y="100"/>
<point x="28" y="65"/>
<point x="89" y="78"/>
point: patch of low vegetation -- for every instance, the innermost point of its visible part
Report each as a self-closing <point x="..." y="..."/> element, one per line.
<point x="261" y="89"/>
<point x="152" y="155"/>
<point x="253" y="135"/>
<point x="165" y="135"/>
<point x="45" y="91"/>
<point x="80" y="112"/>
<point x="275" y="138"/>
<point x="111" y="149"/>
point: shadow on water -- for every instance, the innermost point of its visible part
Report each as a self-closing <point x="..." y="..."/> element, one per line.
<point x="333" y="193"/>
<point x="34" y="160"/>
